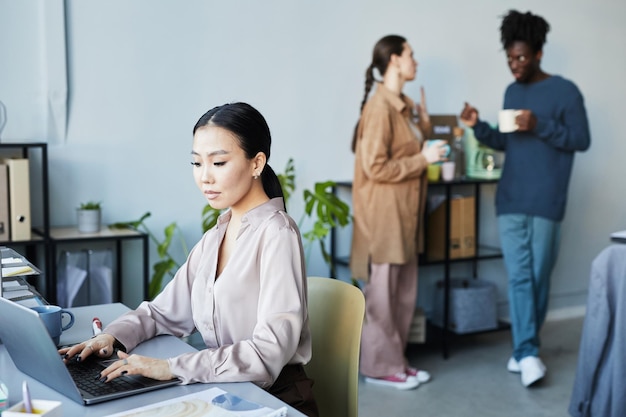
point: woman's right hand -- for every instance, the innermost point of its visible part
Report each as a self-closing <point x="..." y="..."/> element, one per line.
<point x="469" y="115"/>
<point x="435" y="152"/>
<point x="100" y="345"/>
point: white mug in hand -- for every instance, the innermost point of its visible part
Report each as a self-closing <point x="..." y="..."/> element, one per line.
<point x="506" y="120"/>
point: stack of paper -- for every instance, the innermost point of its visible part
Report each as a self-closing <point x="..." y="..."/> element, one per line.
<point x="12" y="267"/>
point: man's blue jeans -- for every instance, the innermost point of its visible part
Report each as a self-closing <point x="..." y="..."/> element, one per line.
<point x="530" y="246"/>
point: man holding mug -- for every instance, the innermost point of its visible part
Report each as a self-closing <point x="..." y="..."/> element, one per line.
<point x="549" y="126"/>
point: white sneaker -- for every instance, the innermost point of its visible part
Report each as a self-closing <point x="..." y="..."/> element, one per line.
<point x="513" y="366"/>
<point x="532" y="370"/>
<point x="399" y="381"/>
<point x="421" y="376"/>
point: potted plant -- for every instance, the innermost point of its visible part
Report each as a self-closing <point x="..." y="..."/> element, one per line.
<point x="89" y="215"/>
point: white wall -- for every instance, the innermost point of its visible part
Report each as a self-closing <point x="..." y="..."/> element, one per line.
<point x="141" y="72"/>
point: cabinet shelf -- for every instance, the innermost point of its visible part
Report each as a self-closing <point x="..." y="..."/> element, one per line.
<point x="45" y="239"/>
<point x="483" y="252"/>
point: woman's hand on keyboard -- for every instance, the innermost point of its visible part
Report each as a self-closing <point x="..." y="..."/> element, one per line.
<point x="137" y="365"/>
<point x="101" y="345"/>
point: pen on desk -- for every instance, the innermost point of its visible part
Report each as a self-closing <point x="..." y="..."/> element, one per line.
<point x="28" y="405"/>
<point x="96" y="324"/>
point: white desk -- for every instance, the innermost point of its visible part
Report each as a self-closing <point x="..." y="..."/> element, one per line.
<point x="160" y="347"/>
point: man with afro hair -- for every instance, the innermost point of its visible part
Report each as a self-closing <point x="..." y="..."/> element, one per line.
<point x="532" y="193"/>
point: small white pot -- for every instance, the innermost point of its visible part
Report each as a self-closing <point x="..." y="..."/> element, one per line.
<point x="88" y="221"/>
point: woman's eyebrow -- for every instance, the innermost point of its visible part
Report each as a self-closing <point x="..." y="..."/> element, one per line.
<point x="220" y="152"/>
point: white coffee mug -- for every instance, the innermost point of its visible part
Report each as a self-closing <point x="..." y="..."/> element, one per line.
<point x="447" y="171"/>
<point x="506" y="120"/>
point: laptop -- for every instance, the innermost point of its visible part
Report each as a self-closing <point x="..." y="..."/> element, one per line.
<point x="30" y="346"/>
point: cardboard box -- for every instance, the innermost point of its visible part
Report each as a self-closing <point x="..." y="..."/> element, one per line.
<point x="462" y="229"/>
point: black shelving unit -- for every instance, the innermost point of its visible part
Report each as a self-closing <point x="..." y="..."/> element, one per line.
<point x="40" y="228"/>
<point x="46" y="239"/>
<point x="482" y="252"/>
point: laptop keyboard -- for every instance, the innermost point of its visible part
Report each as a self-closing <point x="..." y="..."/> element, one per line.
<point x="84" y="374"/>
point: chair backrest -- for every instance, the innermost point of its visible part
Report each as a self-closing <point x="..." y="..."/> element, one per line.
<point x="336" y="311"/>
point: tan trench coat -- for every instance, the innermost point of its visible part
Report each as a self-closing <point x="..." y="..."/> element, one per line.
<point x="390" y="184"/>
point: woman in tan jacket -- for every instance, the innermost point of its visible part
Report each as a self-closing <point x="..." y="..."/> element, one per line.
<point x="389" y="195"/>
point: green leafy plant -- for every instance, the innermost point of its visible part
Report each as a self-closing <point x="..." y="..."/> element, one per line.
<point x="329" y="211"/>
<point x="166" y="265"/>
<point x="90" y="205"/>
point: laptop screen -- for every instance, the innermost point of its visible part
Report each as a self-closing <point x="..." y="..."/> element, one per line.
<point x="34" y="353"/>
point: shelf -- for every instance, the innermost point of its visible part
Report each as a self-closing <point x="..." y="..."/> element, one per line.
<point x="71" y="234"/>
<point x="45" y="239"/>
<point x="502" y="325"/>
<point x="484" y="252"/>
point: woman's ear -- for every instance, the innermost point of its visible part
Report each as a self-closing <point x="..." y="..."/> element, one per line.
<point x="258" y="163"/>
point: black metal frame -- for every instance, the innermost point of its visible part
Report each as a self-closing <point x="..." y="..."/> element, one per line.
<point x="482" y="252"/>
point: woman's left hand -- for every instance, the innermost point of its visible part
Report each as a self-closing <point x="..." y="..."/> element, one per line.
<point x="422" y="110"/>
<point x="137" y="365"/>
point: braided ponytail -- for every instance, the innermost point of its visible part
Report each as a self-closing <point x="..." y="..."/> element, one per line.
<point x="383" y="50"/>
<point x="369" y="82"/>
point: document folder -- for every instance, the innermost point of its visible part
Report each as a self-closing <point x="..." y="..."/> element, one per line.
<point x="19" y="199"/>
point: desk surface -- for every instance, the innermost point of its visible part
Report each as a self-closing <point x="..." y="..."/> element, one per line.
<point x="162" y="346"/>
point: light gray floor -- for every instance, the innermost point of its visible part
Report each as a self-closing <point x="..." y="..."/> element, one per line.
<point x="474" y="381"/>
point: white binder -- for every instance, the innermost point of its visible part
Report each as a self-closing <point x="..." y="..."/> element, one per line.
<point x="19" y="199"/>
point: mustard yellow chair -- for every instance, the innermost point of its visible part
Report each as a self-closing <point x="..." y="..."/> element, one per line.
<point x="336" y="311"/>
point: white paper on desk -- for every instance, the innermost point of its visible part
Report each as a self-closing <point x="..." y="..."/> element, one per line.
<point x="13" y="286"/>
<point x="8" y="261"/>
<point x="200" y="404"/>
<point x="11" y="271"/>
<point x="10" y="295"/>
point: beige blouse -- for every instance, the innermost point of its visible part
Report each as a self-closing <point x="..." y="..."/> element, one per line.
<point x="253" y="319"/>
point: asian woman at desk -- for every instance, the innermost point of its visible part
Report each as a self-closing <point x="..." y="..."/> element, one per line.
<point x="243" y="286"/>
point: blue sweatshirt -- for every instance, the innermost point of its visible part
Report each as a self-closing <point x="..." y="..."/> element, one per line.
<point x="538" y="164"/>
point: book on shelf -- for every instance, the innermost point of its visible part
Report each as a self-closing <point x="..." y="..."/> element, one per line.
<point x="19" y="198"/>
<point x="212" y="402"/>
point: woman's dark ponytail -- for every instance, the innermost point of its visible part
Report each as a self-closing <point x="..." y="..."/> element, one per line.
<point x="383" y="50"/>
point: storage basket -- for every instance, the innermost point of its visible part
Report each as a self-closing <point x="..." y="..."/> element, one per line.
<point x="472" y="305"/>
